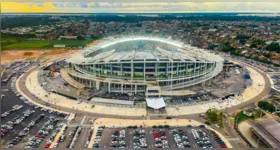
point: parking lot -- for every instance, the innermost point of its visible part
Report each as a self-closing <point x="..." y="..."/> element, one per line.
<point x="162" y="136"/>
<point x="21" y="120"/>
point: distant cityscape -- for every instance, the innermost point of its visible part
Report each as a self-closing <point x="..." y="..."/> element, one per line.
<point x="256" y="38"/>
<point x="128" y="80"/>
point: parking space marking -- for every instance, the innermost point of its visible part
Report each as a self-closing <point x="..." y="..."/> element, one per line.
<point x="84" y="134"/>
<point x="83" y="120"/>
<point x="233" y="139"/>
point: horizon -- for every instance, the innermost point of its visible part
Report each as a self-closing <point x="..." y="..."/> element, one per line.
<point x="135" y="6"/>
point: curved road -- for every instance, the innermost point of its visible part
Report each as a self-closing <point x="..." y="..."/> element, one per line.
<point x="24" y="89"/>
<point x="248" y="103"/>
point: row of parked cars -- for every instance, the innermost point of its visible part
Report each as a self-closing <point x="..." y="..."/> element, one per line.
<point x="160" y="138"/>
<point x="76" y="136"/>
<point x="48" y="126"/>
<point x="117" y="139"/>
<point x="25" y="131"/>
<point x="61" y="138"/>
<point x="139" y="140"/>
<point x="14" y="108"/>
<point x="98" y="136"/>
<point x="16" y="69"/>
<point x="180" y="138"/>
<point x="53" y="135"/>
<point x="72" y="136"/>
<point x="219" y="140"/>
<point x="201" y="138"/>
<point x="89" y="137"/>
<point x="5" y="128"/>
<point x="18" y="94"/>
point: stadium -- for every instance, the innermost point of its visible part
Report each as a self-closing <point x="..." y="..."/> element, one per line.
<point x="148" y="65"/>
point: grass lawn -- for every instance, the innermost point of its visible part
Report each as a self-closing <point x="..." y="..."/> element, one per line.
<point x="241" y="117"/>
<point x="45" y="44"/>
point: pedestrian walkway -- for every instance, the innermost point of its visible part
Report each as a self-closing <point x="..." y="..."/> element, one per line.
<point x="36" y="103"/>
<point x="69" y="80"/>
<point x="252" y="91"/>
<point x="33" y="86"/>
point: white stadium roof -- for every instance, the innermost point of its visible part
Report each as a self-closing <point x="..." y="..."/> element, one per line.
<point x="182" y="54"/>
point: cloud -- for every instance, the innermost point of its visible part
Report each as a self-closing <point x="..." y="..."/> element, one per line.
<point x="141" y="6"/>
<point x="25" y="7"/>
<point x="90" y="4"/>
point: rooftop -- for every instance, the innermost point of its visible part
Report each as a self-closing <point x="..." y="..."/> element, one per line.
<point x="158" y="50"/>
<point x="270" y="131"/>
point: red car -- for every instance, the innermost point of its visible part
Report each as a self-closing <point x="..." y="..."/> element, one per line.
<point x="223" y="146"/>
<point x="47" y="145"/>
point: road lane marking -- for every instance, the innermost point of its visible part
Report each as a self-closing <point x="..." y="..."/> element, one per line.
<point x="82" y="122"/>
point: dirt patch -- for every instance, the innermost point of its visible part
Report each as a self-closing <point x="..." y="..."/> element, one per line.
<point x="13" y="55"/>
<point x="28" y="53"/>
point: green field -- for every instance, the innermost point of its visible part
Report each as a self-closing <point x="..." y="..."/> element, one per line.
<point x="14" y="44"/>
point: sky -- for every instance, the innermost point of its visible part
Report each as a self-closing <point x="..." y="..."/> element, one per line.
<point x="139" y="6"/>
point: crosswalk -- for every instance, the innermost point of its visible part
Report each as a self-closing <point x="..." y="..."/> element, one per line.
<point x="233" y="139"/>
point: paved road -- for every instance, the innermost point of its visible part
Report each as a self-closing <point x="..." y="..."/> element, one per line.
<point x="250" y="103"/>
<point x="24" y="89"/>
<point x="7" y="103"/>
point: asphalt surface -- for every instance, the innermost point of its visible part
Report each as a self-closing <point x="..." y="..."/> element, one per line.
<point x="106" y="137"/>
<point x="7" y="103"/>
<point x="24" y="89"/>
<point x="250" y="103"/>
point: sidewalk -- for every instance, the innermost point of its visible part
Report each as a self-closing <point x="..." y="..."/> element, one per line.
<point x="33" y="85"/>
<point x="34" y="102"/>
<point x="252" y="91"/>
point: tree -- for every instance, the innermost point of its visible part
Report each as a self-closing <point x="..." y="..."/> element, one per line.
<point x="80" y="37"/>
<point x="95" y="37"/>
<point x="262" y="104"/>
<point x="228" y="48"/>
<point x="253" y="45"/>
<point x="268" y="55"/>
<point x="270" y="107"/>
<point x="212" y="116"/>
<point x="273" y="47"/>
<point x="267" y="106"/>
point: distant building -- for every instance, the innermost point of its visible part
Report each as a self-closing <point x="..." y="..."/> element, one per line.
<point x="59" y="45"/>
<point x="67" y="37"/>
<point x="212" y="30"/>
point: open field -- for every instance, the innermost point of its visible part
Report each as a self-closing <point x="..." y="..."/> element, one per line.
<point x="14" y="44"/>
<point x="9" y="56"/>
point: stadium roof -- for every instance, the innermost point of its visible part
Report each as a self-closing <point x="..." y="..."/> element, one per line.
<point x="182" y="53"/>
